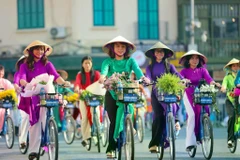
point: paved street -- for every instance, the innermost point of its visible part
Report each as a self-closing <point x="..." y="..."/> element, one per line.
<point x="77" y="152"/>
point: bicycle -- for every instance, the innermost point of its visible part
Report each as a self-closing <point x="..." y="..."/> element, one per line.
<point x="126" y="137"/>
<point x="69" y="126"/>
<point x="236" y="125"/>
<point x="170" y="131"/>
<point x="138" y="125"/>
<point x="49" y="136"/>
<point x="95" y="128"/>
<point x="206" y="130"/>
<point x="8" y="127"/>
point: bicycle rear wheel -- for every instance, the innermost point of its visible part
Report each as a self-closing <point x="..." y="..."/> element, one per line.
<point x="69" y="134"/>
<point x="105" y="130"/>
<point x="78" y="132"/>
<point x="53" y="140"/>
<point x="233" y="149"/>
<point x="140" y="129"/>
<point x="171" y="137"/>
<point x="89" y="144"/>
<point x="207" y="140"/>
<point x="9" y="135"/>
<point x="129" y="144"/>
<point x="160" y="151"/>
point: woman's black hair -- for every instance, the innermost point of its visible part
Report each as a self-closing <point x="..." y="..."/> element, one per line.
<point x="187" y="58"/>
<point x="30" y="59"/>
<point x="153" y="61"/>
<point x="92" y="72"/>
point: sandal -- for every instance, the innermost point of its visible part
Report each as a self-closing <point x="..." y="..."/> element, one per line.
<point x="32" y="156"/>
<point x="111" y="154"/>
<point x="23" y="145"/>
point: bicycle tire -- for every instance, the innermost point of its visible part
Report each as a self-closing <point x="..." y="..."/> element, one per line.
<point x="192" y="153"/>
<point x="118" y="152"/>
<point x="160" y="151"/>
<point x="105" y="131"/>
<point x="78" y="132"/>
<point x="140" y="129"/>
<point x="129" y="151"/>
<point x="97" y="128"/>
<point x="10" y="134"/>
<point x="69" y="134"/>
<point x="53" y="140"/>
<point x="233" y="149"/>
<point x="207" y="132"/>
<point x="171" y="137"/>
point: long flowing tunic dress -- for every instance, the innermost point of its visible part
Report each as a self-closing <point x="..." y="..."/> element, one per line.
<point x="109" y="67"/>
<point x="193" y="110"/>
<point x="159" y="108"/>
<point x="29" y="105"/>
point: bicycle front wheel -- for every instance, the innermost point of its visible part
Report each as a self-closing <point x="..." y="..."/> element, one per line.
<point x="129" y="144"/>
<point x="97" y="131"/>
<point x="53" y="140"/>
<point x="69" y="134"/>
<point x="140" y="129"/>
<point x="105" y="130"/>
<point x="9" y="135"/>
<point x="207" y="140"/>
<point x="171" y="137"/>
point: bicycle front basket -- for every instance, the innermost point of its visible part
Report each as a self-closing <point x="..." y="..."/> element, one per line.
<point x="130" y="95"/>
<point x="170" y="98"/>
<point x="93" y="102"/>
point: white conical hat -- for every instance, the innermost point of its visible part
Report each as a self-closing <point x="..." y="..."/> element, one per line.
<point x="192" y="52"/>
<point x="233" y="61"/>
<point x="38" y="43"/>
<point x="96" y="88"/>
<point x="119" y="39"/>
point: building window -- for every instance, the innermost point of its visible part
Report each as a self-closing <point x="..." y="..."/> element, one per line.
<point x="103" y="12"/>
<point x="148" y="27"/>
<point x="30" y="14"/>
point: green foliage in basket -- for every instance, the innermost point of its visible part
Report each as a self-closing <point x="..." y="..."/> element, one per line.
<point x="85" y="95"/>
<point x="169" y="83"/>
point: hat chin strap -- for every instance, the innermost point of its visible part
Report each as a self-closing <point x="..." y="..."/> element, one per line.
<point x="36" y="56"/>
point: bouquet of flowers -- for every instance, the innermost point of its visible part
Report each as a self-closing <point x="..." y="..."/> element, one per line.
<point x="8" y="96"/>
<point x="209" y="91"/>
<point x="169" y="84"/>
<point x="71" y="97"/>
<point x="41" y="81"/>
<point x="86" y="96"/>
<point x="112" y="82"/>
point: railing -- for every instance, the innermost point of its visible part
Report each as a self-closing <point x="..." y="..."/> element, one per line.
<point x="219" y="48"/>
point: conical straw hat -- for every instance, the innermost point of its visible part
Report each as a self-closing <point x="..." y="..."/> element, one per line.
<point x="121" y="40"/>
<point x="168" y="52"/>
<point x="38" y="43"/>
<point x="96" y="88"/>
<point x="233" y="61"/>
<point x="63" y="74"/>
<point x="192" y="52"/>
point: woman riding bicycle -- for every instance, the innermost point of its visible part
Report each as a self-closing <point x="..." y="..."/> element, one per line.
<point x="36" y="64"/>
<point x="194" y="71"/>
<point x="86" y="77"/>
<point x="227" y="86"/>
<point x="4" y="84"/>
<point x="119" y="50"/>
<point x="159" y="54"/>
